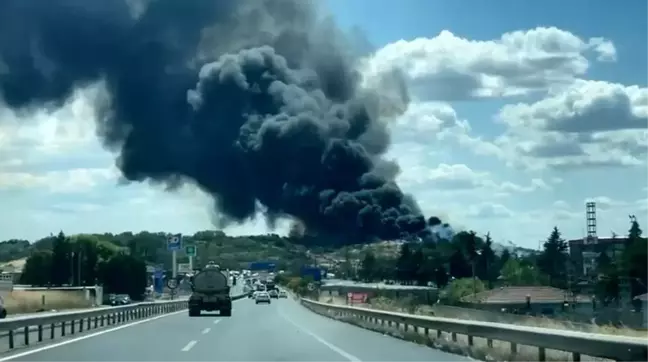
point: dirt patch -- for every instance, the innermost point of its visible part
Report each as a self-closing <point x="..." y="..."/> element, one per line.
<point x="23" y="301"/>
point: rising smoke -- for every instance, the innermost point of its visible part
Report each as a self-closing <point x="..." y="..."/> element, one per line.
<point x="255" y="101"/>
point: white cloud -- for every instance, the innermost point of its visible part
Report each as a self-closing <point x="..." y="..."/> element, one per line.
<point x="449" y="67"/>
<point x="489" y="211"/>
<point x="54" y="174"/>
<point x="587" y="124"/>
<point x="461" y="178"/>
<point x="49" y="131"/>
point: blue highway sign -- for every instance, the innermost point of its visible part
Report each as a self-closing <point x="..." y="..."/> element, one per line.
<point x="174" y="242"/>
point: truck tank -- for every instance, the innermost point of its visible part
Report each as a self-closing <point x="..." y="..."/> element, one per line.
<point x="210" y="292"/>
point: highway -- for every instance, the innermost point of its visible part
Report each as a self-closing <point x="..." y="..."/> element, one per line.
<point x="281" y="331"/>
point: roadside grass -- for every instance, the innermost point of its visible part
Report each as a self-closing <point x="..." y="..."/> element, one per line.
<point x="405" y="306"/>
<point x="23" y="301"/>
<point x="460" y="344"/>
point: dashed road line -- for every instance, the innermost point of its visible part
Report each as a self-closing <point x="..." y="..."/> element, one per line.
<point x="189" y="346"/>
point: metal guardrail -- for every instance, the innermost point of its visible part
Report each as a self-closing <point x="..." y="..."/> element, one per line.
<point x="36" y="329"/>
<point x="618" y="348"/>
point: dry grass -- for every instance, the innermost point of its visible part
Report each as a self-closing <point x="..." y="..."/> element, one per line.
<point x="466" y="314"/>
<point x="23" y="301"/>
<point x="499" y="351"/>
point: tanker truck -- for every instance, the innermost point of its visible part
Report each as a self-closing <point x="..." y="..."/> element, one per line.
<point x="210" y="292"/>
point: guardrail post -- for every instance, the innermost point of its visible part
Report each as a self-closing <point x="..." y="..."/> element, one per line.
<point x="72" y="323"/>
<point x="62" y="329"/>
<point x="542" y="356"/>
<point x="26" y="335"/>
<point x="52" y="330"/>
<point x="11" y="339"/>
<point x="40" y="332"/>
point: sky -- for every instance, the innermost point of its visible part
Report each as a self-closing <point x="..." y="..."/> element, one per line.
<point x="520" y="113"/>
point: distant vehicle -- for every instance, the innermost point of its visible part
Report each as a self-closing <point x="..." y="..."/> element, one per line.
<point x="210" y="292"/>
<point x="283" y="294"/>
<point x="262" y="297"/>
<point x="3" y="311"/>
<point x="270" y="285"/>
<point x="118" y="299"/>
<point x="274" y="294"/>
<point x="123" y="299"/>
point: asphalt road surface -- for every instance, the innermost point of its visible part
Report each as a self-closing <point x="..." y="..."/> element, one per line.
<point x="281" y="331"/>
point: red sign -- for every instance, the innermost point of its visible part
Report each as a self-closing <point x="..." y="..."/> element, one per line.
<point x="356" y="298"/>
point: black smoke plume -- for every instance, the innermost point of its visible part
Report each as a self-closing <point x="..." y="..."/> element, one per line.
<point x="256" y="101"/>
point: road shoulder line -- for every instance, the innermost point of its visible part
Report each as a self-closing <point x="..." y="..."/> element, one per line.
<point x="321" y="340"/>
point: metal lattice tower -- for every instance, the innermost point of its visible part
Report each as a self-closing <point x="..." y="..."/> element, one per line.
<point x="590" y="217"/>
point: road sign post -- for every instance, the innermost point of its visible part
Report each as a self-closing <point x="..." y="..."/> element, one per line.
<point x="190" y="250"/>
<point x="174" y="243"/>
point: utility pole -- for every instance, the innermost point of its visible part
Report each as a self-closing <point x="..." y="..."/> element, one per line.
<point x="79" y="257"/>
<point x="72" y="269"/>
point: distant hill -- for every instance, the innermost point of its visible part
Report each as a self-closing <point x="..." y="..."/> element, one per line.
<point x="228" y="251"/>
<point x="513" y="249"/>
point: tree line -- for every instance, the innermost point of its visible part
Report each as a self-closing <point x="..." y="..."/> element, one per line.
<point x="85" y="261"/>
<point x="231" y="251"/>
<point x="470" y="256"/>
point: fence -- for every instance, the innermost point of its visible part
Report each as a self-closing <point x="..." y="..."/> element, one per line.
<point x="617" y="348"/>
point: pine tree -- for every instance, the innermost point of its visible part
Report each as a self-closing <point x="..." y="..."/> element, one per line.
<point x="553" y="260"/>
<point x="368" y="267"/>
<point x="635" y="231"/>
<point x="61" y="267"/>
<point x="404" y="271"/>
<point x="487" y="263"/>
<point x="417" y="264"/>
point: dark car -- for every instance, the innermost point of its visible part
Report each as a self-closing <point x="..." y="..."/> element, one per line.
<point x="123" y="299"/>
<point x="119" y="299"/>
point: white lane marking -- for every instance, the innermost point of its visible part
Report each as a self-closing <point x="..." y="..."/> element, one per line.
<point x="63" y="343"/>
<point x="99" y="333"/>
<point x="189" y="346"/>
<point x="206" y="330"/>
<point x="321" y="340"/>
<point x="216" y="321"/>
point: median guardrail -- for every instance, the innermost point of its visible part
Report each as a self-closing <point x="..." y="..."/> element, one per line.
<point x="618" y="348"/>
<point x="25" y="331"/>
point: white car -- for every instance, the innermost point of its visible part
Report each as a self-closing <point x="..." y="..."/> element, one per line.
<point x="283" y="294"/>
<point x="262" y="297"/>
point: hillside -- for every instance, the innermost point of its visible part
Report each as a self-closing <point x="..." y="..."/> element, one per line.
<point x="230" y="252"/>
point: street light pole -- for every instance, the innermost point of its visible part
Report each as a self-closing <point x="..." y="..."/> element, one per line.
<point x="474" y="274"/>
<point x="79" y="256"/>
